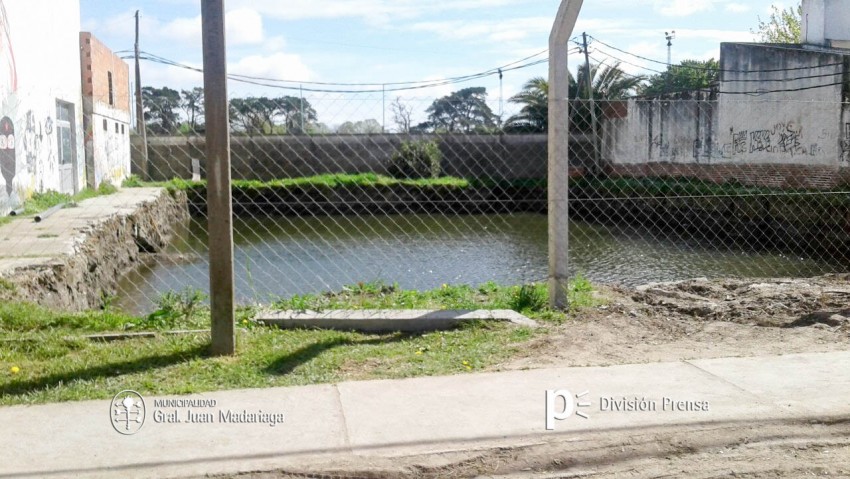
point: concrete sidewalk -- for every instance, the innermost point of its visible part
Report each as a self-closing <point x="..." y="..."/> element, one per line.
<point x="381" y="419"/>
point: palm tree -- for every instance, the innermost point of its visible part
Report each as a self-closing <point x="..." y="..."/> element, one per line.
<point x="609" y="82"/>
<point x="534" y="115"/>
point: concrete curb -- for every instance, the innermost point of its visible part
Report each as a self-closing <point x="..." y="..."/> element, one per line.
<point x="388" y="320"/>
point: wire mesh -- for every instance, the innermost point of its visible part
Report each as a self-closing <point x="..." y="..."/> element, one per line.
<point x="334" y="190"/>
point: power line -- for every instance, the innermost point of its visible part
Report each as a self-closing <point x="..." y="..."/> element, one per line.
<point x="273" y="83"/>
<point x="718" y="69"/>
<point x="742" y="80"/>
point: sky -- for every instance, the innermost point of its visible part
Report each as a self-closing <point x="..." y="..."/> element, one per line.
<point x="390" y="41"/>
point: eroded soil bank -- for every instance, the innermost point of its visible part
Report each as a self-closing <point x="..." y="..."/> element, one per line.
<point x="95" y="244"/>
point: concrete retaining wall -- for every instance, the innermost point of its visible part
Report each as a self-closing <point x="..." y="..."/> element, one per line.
<point x="498" y="157"/>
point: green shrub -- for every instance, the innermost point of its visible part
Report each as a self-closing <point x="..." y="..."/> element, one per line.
<point x="132" y="181"/>
<point x="416" y="159"/>
<point x="529" y="297"/>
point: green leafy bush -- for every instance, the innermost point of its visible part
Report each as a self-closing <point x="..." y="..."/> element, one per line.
<point x="416" y="159"/>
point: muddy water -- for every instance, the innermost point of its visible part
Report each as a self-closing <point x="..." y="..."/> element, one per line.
<point x="285" y="256"/>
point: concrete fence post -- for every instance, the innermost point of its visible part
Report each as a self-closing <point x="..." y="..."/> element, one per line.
<point x="219" y="194"/>
<point x="559" y="152"/>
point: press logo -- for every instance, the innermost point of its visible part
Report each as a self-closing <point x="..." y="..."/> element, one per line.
<point x="127" y="412"/>
<point x="571" y="405"/>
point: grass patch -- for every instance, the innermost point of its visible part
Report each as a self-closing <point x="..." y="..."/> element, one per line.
<point x="44" y="359"/>
<point x="363" y="180"/>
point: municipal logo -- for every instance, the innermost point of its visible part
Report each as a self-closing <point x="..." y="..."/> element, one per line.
<point x="127" y="412"/>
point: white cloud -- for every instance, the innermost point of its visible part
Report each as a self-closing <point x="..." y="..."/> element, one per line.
<point x="737" y="8"/>
<point x="277" y="65"/>
<point x="682" y="8"/>
<point x="485" y="31"/>
<point x="372" y="11"/>
<point x="244" y="27"/>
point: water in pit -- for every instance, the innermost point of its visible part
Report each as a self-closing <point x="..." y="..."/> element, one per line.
<point x="281" y="257"/>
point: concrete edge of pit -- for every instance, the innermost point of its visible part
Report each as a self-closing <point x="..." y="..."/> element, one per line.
<point x="387" y="320"/>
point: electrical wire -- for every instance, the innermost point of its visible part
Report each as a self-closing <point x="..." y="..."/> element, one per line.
<point x="713" y="69"/>
<point x="297" y="85"/>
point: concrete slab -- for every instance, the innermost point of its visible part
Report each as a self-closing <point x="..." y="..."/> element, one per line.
<point x="387" y="320"/>
<point x="62" y="232"/>
<point x="77" y="439"/>
<point x="387" y="419"/>
<point x="803" y="384"/>
<point x="429" y="415"/>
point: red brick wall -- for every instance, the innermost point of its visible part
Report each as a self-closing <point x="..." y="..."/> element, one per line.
<point x="97" y="61"/>
<point x="772" y="176"/>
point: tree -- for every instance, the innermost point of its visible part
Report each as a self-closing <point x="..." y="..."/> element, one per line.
<point x="688" y="75"/>
<point x="534" y="115"/>
<point x="782" y="27"/>
<point x="298" y="114"/>
<point x="402" y="115"/>
<point x="253" y="115"/>
<point x="161" y="106"/>
<point x="192" y="103"/>
<point x="263" y="115"/>
<point x="362" y="127"/>
<point x="608" y="82"/>
<point x="464" y="111"/>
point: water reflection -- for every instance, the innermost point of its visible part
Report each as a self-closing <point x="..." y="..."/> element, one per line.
<point x="286" y="256"/>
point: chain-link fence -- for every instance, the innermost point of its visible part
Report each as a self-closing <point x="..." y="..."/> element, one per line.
<point x="424" y="192"/>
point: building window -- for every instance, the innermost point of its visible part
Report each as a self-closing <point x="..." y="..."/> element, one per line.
<point x="111" y="92"/>
<point x="122" y="129"/>
<point x="105" y="125"/>
<point x="116" y="127"/>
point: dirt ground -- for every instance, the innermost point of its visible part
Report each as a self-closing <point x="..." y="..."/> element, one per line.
<point x="787" y="450"/>
<point x="699" y="319"/>
<point x="693" y="319"/>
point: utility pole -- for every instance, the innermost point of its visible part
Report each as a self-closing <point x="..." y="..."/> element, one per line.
<point x="301" y="109"/>
<point x="501" y="95"/>
<point x="383" y="108"/>
<point x="219" y="194"/>
<point x="140" y="110"/>
<point x="669" y="36"/>
<point x="589" y="83"/>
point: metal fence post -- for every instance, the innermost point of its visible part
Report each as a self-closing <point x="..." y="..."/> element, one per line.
<point x="219" y="194"/>
<point x="559" y="153"/>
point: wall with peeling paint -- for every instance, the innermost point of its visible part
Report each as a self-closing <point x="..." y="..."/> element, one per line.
<point x="106" y="99"/>
<point x="39" y="68"/>
<point x="776" y="105"/>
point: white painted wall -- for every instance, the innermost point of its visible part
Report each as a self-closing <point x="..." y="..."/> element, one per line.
<point x="43" y="39"/>
<point x="111" y="148"/>
<point x="776" y="106"/>
<point x="825" y="21"/>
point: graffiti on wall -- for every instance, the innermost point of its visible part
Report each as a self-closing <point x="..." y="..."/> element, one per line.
<point x="782" y="139"/>
<point x="844" y="144"/>
<point x="36" y="142"/>
<point x="8" y="162"/>
<point x="8" y="86"/>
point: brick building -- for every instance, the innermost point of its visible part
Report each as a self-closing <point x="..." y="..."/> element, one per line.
<point x="106" y="112"/>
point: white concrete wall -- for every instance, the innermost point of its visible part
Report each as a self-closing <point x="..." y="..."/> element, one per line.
<point x="776" y="106"/>
<point x="39" y="64"/>
<point x="787" y="109"/>
<point x="663" y="130"/>
<point x="111" y="148"/>
<point x="826" y="21"/>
